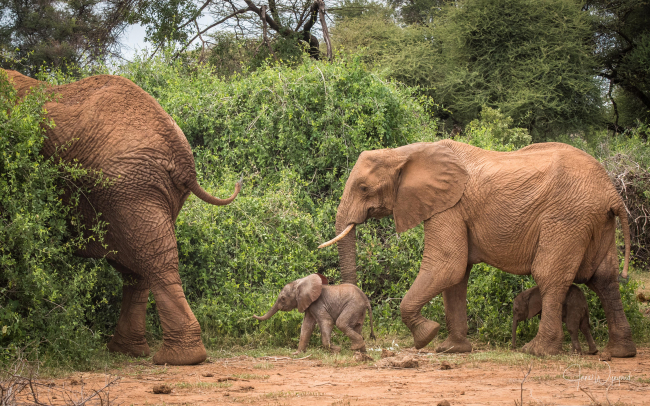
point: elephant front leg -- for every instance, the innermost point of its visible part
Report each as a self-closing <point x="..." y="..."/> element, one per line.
<point x="455" y="299"/>
<point x="444" y="265"/>
<point x="182" y="343"/>
<point x="129" y="337"/>
<point x="306" y="330"/>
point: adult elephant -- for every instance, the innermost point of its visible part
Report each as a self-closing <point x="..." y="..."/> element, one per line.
<point x="547" y="210"/>
<point x="109" y="124"/>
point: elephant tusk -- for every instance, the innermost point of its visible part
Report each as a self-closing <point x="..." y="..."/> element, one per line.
<point x="338" y="237"/>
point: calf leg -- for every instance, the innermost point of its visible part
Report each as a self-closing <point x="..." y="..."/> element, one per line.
<point x="584" y="327"/>
<point x="306" y="330"/>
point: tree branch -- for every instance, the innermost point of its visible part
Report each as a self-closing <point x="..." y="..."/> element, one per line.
<point x="240" y="11"/>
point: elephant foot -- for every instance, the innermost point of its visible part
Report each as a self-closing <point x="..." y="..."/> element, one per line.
<point x="134" y="348"/>
<point x="621" y="349"/>
<point x="536" y="347"/>
<point x="180" y="355"/>
<point x="360" y="348"/>
<point x="184" y="348"/>
<point x="592" y="352"/>
<point x="455" y="345"/>
<point x="335" y="349"/>
<point x="424" y="332"/>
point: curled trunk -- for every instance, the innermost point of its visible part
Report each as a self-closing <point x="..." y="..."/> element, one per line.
<point x="268" y="314"/>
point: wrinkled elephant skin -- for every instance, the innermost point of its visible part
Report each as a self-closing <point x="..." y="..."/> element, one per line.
<point x="575" y="314"/>
<point x="108" y="124"/>
<point x="343" y="306"/>
<point x="548" y="210"/>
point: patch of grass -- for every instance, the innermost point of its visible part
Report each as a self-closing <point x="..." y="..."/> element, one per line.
<point x="290" y="394"/>
<point x="264" y="365"/>
<point x="250" y="376"/>
<point x="202" y="385"/>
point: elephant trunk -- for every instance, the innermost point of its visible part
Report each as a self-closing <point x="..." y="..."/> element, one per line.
<point x="268" y="314"/>
<point x="347" y="247"/>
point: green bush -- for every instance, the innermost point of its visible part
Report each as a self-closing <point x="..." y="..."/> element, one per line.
<point x="53" y="305"/>
<point x="314" y="117"/>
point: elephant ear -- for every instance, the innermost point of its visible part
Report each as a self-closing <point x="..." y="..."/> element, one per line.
<point x="308" y="289"/>
<point x="432" y="179"/>
<point x="534" y="303"/>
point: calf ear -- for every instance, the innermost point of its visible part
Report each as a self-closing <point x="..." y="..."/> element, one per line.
<point x="534" y="303"/>
<point x="308" y="289"/>
<point x="323" y="279"/>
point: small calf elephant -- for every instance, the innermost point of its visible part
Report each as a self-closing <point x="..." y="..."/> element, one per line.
<point x="341" y="305"/>
<point x="575" y="314"/>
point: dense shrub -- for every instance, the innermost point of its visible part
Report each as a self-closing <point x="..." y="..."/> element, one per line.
<point x="51" y="302"/>
<point x="315" y="117"/>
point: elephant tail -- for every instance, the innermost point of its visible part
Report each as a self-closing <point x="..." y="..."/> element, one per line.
<point x="621" y="212"/>
<point x="372" y="330"/>
<point x="208" y="198"/>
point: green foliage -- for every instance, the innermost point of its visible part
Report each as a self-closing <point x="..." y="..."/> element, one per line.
<point x="493" y="131"/>
<point x="530" y="59"/>
<point x="314" y="117"/>
<point x="622" y="32"/>
<point x="65" y="34"/>
<point x="52" y="304"/>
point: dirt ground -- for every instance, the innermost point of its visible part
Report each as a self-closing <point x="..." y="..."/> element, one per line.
<point x="480" y="378"/>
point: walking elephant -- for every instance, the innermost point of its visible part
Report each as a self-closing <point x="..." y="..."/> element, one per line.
<point x="547" y="210"/>
<point x="109" y="124"/>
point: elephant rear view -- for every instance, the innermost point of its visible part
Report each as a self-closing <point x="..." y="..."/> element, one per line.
<point x="548" y="210"/>
<point x="108" y="124"/>
<point x="575" y="314"/>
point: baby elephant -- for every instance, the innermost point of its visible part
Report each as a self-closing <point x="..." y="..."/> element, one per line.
<point x="575" y="314"/>
<point x="341" y="305"/>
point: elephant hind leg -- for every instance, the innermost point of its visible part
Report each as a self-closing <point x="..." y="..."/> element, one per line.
<point x="129" y="337"/>
<point x="554" y="268"/>
<point x="584" y="327"/>
<point x="605" y="283"/>
<point x="348" y="323"/>
<point x="573" y="325"/>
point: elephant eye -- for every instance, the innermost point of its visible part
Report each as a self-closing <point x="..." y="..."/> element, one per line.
<point x="363" y="188"/>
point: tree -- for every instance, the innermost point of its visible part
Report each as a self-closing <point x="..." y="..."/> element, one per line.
<point x="622" y="32"/>
<point x="531" y="59"/>
<point x="60" y="33"/>
<point x="178" y="21"/>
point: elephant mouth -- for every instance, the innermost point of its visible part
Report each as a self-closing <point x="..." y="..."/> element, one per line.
<point x="338" y="237"/>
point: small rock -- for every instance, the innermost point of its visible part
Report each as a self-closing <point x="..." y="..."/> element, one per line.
<point x="74" y="382"/>
<point x="226" y="394"/>
<point x="462" y="392"/>
<point x="245" y="389"/>
<point x="445" y="365"/>
<point x="162" y="389"/>
<point x="362" y="357"/>
<point x="444" y="402"/>
<point x="605" y="356"/>
<point x="387" y="353"/>
<point x="641" y="297"/>
<point x="208" y="375"/>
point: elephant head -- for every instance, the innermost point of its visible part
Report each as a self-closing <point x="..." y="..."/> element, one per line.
<point x="412" y="183"/>
<point x="300" y="294"/>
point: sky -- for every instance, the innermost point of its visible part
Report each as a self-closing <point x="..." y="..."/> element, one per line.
<point x="133" y="40"/>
